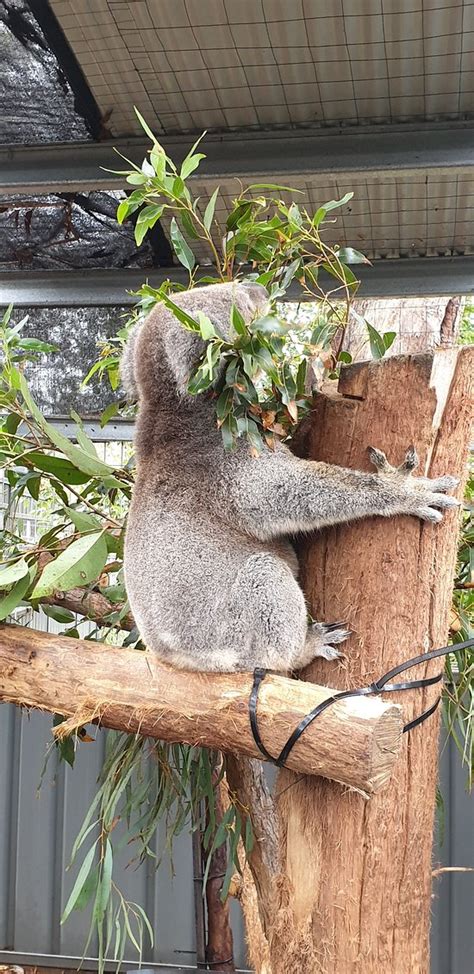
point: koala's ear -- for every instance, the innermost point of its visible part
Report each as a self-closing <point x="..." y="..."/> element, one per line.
<point x="257" y="291"/>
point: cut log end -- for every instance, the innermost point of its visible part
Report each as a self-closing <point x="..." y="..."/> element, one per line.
<point x="386" y="743"/>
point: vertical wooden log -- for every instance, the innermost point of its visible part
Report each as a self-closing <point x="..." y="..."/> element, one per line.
<point x="360" y="872"/>
<point x="220" y="943"/>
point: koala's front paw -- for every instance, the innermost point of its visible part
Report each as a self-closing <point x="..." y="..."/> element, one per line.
<point x="420" y="496"/>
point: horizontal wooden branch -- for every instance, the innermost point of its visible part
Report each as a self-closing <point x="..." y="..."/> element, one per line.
<point x="355" y="741"/>
<point x="92" y="605"/>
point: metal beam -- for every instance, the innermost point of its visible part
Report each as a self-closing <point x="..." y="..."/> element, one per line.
<point x="66" y="962"/>
<point x="405" y="277"/>
<point x="117" y="430"/>
<point x="74" y="167"/>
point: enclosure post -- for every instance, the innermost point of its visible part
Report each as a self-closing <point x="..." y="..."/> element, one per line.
<point x="360" y="871"/>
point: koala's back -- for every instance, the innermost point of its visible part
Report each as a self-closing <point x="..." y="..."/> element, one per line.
<point x="204" y="594"/>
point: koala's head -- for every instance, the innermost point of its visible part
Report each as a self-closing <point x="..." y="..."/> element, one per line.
<point x="251" y="299"/>
<point x="183" y="348"/>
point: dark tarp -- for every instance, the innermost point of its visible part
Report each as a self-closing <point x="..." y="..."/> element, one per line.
<point x="37" y="102"/>
<point x="56" y="380"/>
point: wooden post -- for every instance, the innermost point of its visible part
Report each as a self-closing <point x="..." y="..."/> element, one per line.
<point x="355" y="741"/>
<point x="360" y="872"/>
<point x="220" y="942"/>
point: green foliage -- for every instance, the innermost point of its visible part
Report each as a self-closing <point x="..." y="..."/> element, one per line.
<point x="84" y="495"/>
<point x="459" y="690"/>
<point x="466" y="335"/>
<point x="143" y="783"/>
<point x="265" y="237"/>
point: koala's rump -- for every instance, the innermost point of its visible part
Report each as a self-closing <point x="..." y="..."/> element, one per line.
<point x="204" y="595"/>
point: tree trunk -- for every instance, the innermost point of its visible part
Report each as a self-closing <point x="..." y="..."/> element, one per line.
<point x="360" y="872"/>
<point x="220" y="943"/>
<point x="354" y="741"/>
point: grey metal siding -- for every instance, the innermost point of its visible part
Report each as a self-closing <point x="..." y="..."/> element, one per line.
<point x="36" y="835"/>
<point x="37" y="831"/>
<point x="452" y="937"/>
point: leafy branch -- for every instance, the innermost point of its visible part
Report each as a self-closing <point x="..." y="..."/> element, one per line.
<point x="260" y="391"/>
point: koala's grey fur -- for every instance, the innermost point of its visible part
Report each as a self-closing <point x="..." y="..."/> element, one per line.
<point x="210" y="575"/>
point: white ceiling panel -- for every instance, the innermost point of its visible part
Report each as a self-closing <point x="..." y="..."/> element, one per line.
<point x="232" y="64"/>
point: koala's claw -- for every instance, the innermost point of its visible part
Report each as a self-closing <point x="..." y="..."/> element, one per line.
<point x="331" y="632"/>
<point x="420" y="496"/>
<point x="429" y="514"/>
<point x="410" y="462"/>
<point x="328" y="652"/>
<point x="378" y="458"/>
<point x="331" y="626"/>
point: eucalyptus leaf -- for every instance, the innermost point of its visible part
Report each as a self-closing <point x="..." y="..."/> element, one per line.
<point x="333" y="204"/>
<point x="56" y="612"/>
<point x="89" y="465"/>
<point x="123" y="211"/>
<point x="350" y="256"/>
<point x="33" y="486"/>
<point x="35" y="345"/>
<point x="88" y="888"/>
<point x="83" y="521"/>
<point x="81" y="562"/>
<point x="238" y="322"/>
<point x="190" y="164"/>
<point x="206" y="327"/>
<point x="62" y="468"/>
<point x="79" y="884"/>
<point x="181" y="247"/>
<point x="12" y="573"/>
<point x="210" y="209"/>
<point x="13" y="598"/>
<point x="146" y="128"/>
<point x="190" y="323"/>
<point x="105" y="883"/>
<point x="378" y="347"/>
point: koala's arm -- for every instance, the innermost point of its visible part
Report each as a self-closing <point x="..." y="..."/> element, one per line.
<point x="281" y="494"/>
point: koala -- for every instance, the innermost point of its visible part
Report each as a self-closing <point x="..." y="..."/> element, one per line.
<point x="210" y="571"/>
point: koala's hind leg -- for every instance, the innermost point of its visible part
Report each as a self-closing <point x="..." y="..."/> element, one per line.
<point x="266" y="619"/>
<point x="264" y="615"/>
<point x="321" y="640"/>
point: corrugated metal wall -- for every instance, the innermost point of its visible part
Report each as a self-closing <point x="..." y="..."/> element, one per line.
<point x="452" y="936"/>
<point x="37" y="831"/>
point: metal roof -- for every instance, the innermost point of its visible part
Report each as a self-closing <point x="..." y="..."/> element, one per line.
<point x="227" y="64"/>
<point x="371" y="96"/>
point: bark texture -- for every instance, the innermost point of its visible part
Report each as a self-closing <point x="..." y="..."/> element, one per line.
<point x="354" y="741"/>
<point x="220" y="943"/>
<point x="360" y="872"/>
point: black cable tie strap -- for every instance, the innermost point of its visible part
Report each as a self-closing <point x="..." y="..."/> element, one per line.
<point x="382" y="685"/>
<point x="258" y="677"/>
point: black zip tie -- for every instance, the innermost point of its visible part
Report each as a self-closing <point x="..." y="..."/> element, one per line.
<point x="382" y="685"/>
